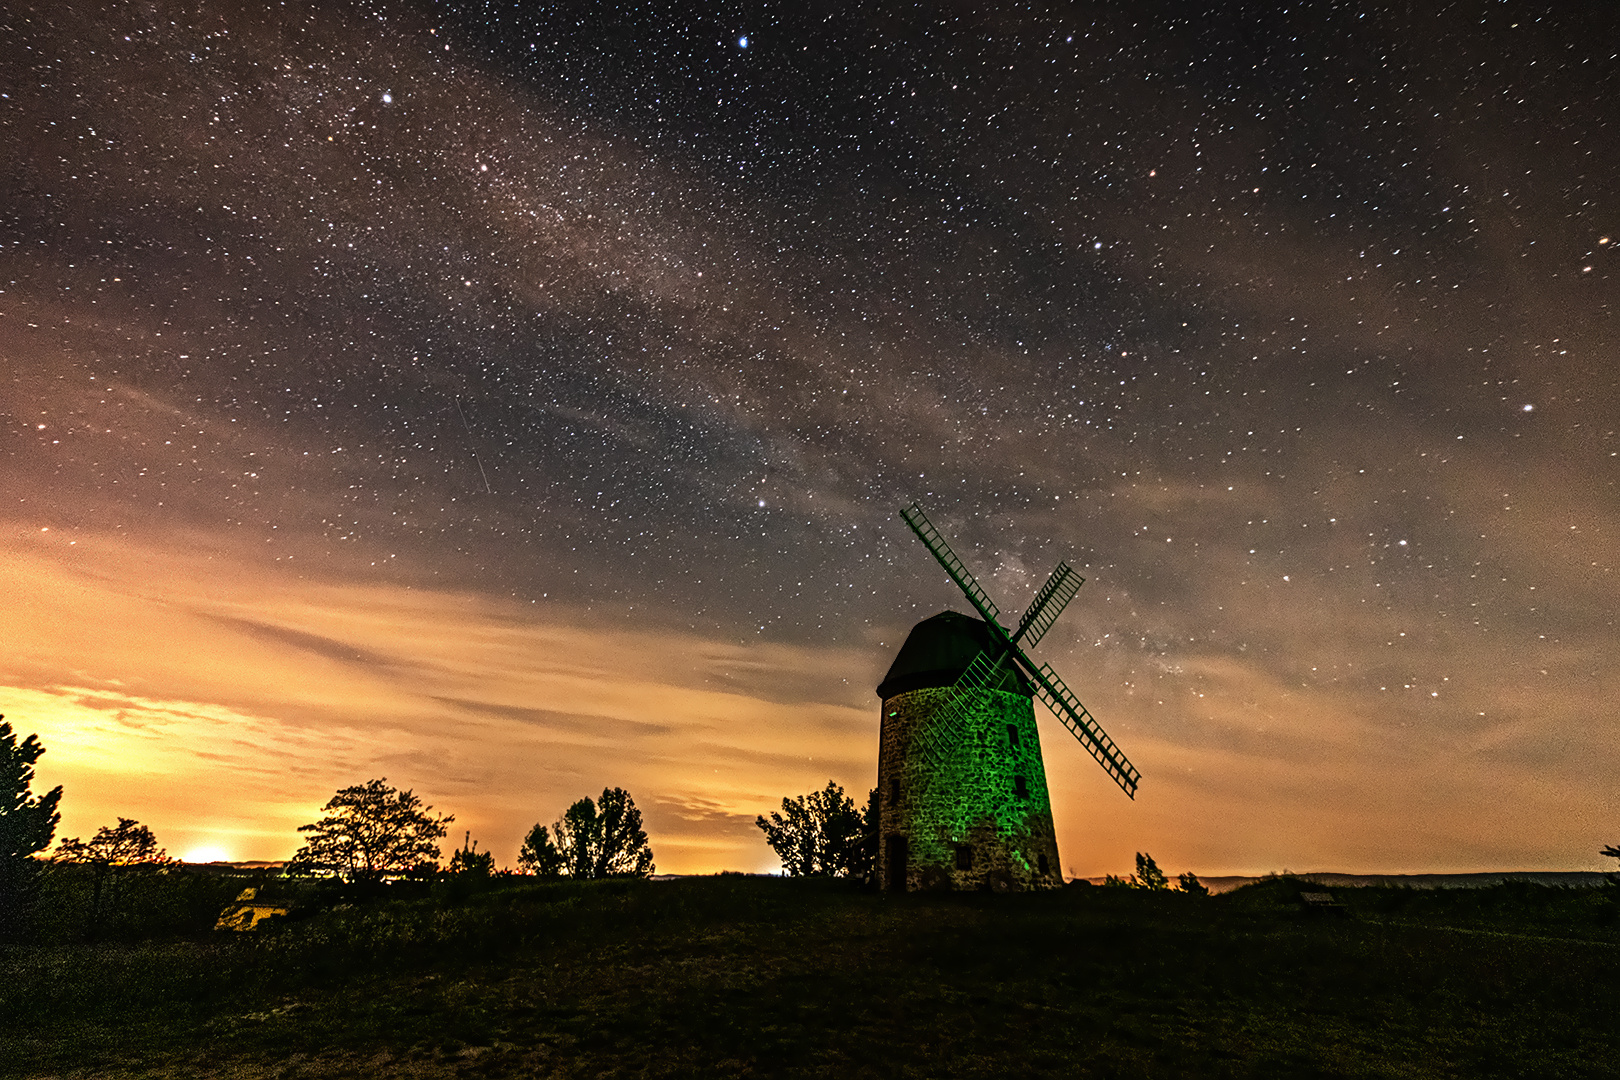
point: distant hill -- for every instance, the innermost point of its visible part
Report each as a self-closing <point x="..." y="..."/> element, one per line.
<point x="1570" y="879"/>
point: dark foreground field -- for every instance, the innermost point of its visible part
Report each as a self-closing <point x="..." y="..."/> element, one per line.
<point x="734" y="976"/>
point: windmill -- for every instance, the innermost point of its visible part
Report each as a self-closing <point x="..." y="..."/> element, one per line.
<point x="961" y="786"/>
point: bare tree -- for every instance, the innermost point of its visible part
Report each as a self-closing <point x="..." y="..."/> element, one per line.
<point x="371" y="830"/>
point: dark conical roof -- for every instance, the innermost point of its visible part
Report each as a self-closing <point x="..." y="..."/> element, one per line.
<point x="938" y="650"/>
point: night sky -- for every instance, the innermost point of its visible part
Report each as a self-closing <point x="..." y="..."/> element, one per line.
<point x="513" y="400"/>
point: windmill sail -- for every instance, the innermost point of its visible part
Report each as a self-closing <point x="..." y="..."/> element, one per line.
<point x="986" y="669"/>
<point x="1049" y="604"/>
<point x="936" y="544"/>
<point x="935" y="741"/>
<point x="1067" y="708"/>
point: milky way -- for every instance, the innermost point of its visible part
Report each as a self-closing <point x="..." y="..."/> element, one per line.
<point x="1292" y="331"/>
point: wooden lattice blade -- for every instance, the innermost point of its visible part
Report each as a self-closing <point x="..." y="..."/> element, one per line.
<point x="1082" y="725"/>
<point x="936" y="545"/>
<point x="1048" y="605"/>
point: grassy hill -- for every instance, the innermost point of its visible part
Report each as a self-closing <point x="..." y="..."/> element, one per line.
<point x="740" y="976"/>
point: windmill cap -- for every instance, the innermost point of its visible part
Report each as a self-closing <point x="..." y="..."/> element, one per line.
<point x="937" y="651"/>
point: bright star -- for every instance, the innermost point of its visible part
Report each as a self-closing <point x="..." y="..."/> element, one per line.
<point x="742" y="42"/>
<point x="388" y="99"/>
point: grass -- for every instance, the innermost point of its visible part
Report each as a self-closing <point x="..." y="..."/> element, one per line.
<point x="734" y="976"/>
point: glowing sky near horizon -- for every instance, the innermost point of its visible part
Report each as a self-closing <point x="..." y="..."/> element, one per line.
<point x="517" y="404"/>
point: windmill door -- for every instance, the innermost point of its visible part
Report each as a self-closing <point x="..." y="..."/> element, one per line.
<point x="897" y="853"/>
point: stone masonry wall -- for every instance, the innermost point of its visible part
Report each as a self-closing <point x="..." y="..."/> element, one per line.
<point x="965" y="822"/>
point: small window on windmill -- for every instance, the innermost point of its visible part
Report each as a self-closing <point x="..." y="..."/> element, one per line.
<point x="894" y="790"/>
<point x="1020" y="787"/>
<point x="1012" y="736"/>
<point x="964" y="856"/>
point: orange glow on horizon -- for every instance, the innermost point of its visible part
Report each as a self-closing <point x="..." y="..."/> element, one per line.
<point x="206" y="855"/>
<point x="222" y="705"/>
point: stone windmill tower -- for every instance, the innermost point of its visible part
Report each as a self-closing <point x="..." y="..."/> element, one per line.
<point x="962" y="798"/>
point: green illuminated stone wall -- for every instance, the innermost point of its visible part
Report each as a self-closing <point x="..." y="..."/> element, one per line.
<point x="966" y="795"/>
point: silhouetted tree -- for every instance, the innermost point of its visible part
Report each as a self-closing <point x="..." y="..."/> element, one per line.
<point x="1148" y="875"/>
<point x="600" y="839"/>
<point x="112" y="853"/>
<point x="1614" y="853"/>
<point x="1189" y="883"/>
<point x="821" y="834"/>
<point x="129" y="843"/>
<point x="27" y="824"/>
<point x="468" y="861"/>
<point x="574" y="834"/>
<point x="539" y="854"/>
<point x="371" y="830"/>
<point x="863" y="861"/>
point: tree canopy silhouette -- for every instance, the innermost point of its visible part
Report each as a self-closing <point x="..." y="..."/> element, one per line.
<point x="370" y="831"/>
<point x="468" y="861"/>
<point x="822" y="833"/>
<point x="27" y="824"/>
<point x="1148" y="875"/>
<point x="591" y="840"/>
<point x="129" y="843"/>
<point x="539" y="854"/>
<point x="113" y="853"/>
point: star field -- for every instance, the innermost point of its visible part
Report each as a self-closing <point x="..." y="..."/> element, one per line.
<point x="1291" y="330"/>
